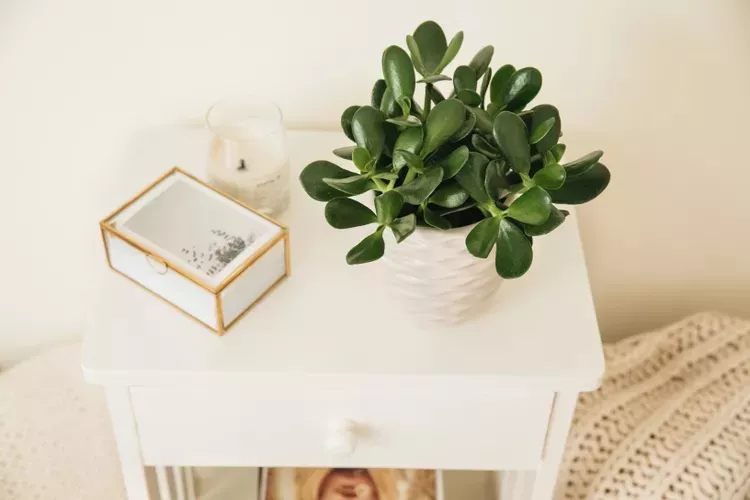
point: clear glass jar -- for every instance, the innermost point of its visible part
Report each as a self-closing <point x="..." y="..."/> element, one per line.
<point x="248" y="156"/>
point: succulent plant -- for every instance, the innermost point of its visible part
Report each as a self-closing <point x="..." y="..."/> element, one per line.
<point x="471" y="154"/>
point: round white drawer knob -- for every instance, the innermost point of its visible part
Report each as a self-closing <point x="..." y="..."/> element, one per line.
<point x="341" y="438"/>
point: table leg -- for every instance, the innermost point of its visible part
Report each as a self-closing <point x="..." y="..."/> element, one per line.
<point x="181" y="487"/>
<point x="162" y="481"/>
<point x="514" y="484"/>
<point x="554" y="446"/>
<point x="179" y="482"/>
<point x="189" y="483"/>
<point x="128" y="444"/>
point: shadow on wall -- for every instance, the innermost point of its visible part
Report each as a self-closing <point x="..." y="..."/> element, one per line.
<point x="670" y="236"/>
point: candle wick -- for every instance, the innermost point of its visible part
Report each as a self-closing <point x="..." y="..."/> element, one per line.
<point x="242" y="164"/>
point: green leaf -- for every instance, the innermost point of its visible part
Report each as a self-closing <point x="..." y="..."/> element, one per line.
<point x="495" y="181"/>
<point x="416" y="55"/>
<point x="361" y="157"/>
<point x="388" y="105"/>
<point x="465" y="84"/>
<point x="540" y="131"/>
<point x="399" y="73"/>
<point x="388" y="205"/>
<point x="434" y="79"/>
<point x="449" y="194"/>
<point x="409" y="121"/>
<point x="471" y="178"/>
<point x="558" y="150"/>
<point x="481" y="61"/>
<point x="444" y="121"/>
<point x="513" y="255"/>
<point x="550" y="177"/>
<point x="484" y="147"/>
<point x="482" y="238"/>
<point x="548" y="159"/>
<point x="345" y="152"/>
<point x="465" y="129"/>
<point x="405" y="105"/>
<point x="392" y="132"/>
<point x="484" y="122"/>
<point x="502" y="75"/>
<point x="493" y="109"/>
<point x="367" y="128"/>
<point x="583" y="187"/>
<point x="346" y="120"/>
<point x="403" y="227"/>
<point x="452" y="163"/>
<point x="378" y="90"/>
<point x="510" y="136"/>
<point x="369" y="249"/>
<point x="343" y="213"/>
<point x="526" y="116"/>
<point x="435" y="95"/>
<point x="532" y="207"/>
<point x="432" y="45"/>
<point x="409" y="140"/>
<point x="537" y="163"/>
<point x="419" y="189"/>
<point x="371" y="165"/>
<point x="312" y="182"/>
<point x="448" y="211"/>
<point x="353" y="185"/>
<point x="521" y="88"/>
<point x="540" y="114"/>
<point x="556" y="217"/>
<point x="402" y="157"/>
<point x="435" y="220"/>
<point x="485" y="84"/>
<point x="464" y="78"/>
<point x="583" y="164"/>
<point x="451" y="51"/>
<point x="469" y="97"/>
<point x="389" y="176"/>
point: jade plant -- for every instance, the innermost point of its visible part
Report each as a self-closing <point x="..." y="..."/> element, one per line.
<point x="471" y="154"/>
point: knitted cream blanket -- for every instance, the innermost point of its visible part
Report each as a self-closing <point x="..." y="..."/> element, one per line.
<point x="671" y="419"/>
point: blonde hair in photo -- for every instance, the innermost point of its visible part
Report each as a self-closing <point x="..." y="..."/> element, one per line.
<point x="308" y="483"/>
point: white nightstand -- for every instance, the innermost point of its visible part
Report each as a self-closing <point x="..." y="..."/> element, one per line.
<point x="325" y="371"/>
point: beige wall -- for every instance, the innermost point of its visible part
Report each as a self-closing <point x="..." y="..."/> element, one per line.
<point x="663" y="87"/>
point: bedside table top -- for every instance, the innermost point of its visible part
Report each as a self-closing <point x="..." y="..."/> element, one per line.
<point x="332" y="320"/>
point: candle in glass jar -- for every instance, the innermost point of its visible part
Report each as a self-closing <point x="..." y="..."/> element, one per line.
<point x="248" y="159"/>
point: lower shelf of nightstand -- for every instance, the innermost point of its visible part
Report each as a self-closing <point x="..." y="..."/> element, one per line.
<point x="247" y="483"/>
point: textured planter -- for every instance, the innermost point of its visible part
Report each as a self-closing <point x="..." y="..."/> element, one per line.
<point x="437" y="279"/>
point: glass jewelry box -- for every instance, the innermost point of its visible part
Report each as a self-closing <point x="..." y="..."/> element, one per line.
<point x="205" y="253"/>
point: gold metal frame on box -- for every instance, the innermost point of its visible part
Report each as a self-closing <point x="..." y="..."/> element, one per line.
<point x="106" y="226"/>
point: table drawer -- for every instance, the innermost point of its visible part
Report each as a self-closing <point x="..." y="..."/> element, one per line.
<point x="409" y="424"/>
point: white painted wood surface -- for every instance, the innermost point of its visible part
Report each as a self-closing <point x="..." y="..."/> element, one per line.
<point x="330" y="345"/>
<point x="333" y="319"/>
<point x="394" y="424"/>
<point x="128" y="442"/>
<point x="559" y="425"/>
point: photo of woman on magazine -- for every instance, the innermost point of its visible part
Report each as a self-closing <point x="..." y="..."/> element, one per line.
<point x="350" y="484"/>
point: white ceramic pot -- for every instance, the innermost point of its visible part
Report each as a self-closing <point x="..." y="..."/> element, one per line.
<point x="436" y="279"/>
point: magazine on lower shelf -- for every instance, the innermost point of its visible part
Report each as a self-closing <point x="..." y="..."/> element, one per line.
<point x="349" y="484"/>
